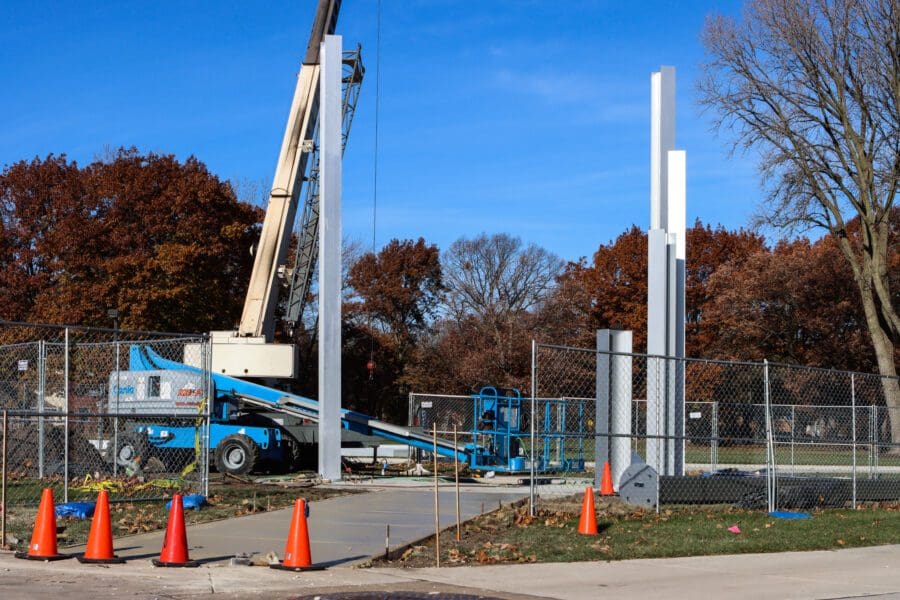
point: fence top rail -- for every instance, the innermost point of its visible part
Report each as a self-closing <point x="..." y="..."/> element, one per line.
<point x="50" y="414"/>
<point x="714" y="361"/>
<point x="859" y="406"/>
<point x="18" y="345"/>
<point x="174" y="334"/>
<point x="832" y="371"/>
<point x="120" y="340"/>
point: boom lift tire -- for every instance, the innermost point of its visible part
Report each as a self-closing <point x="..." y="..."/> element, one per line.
<point x="133" y="449"/>
<point x="236" y="454"/>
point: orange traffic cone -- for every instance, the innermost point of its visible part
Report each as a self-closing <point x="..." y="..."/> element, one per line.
<point x="99" y="548"/>
<point x="175" y="551"/>
<point x="587" y="524"/>
<point x="606" y="485"/>
<point x="297" y="556"/>
<point x="43" y="537"/>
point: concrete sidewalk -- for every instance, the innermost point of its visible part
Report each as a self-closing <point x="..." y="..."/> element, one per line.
<point x="344" y="529"/>
<point x="858" y="572"/>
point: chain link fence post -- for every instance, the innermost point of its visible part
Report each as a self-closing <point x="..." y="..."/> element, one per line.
<point x="853" y="430"/>
<point x="115" y="440"/>
<point x="66" y="419"/>
<point x="770" y="443"/>
<point x="714" y="442"/>
<point x="42" y="382"/>
<point x="531" y="423"/>
<point x="206" y="346"/>
<point x="873" y="449"/>
<point x="793" y="427"/>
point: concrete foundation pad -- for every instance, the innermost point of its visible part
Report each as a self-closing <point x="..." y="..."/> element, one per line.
<point x="342" y="530"/>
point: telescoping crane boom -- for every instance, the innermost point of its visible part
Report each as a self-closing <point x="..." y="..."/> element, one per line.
<point x="249" y="352"/>
<point x="259" y="307"/>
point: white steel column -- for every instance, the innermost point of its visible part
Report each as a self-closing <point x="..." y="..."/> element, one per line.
<point x="330" y="259"/>
<point x="662" y="139"/>
<point x="665" y="281"/>
<point x="677" y="208"/>
<point x="601" y="405"/>
<point x="612" y="427"/>
<point x="657" y="303"/>
<point x="620" y="404"/>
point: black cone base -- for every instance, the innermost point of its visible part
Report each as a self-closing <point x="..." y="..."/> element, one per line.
<point x="26" y="556"/>
<point x="115" y="560"/>
<point x="282" y="567"/>
<point x="190" y="563"/>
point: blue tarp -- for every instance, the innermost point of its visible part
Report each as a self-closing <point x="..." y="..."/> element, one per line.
<point x="75" y="510"/>
<point x="191" y="501"/>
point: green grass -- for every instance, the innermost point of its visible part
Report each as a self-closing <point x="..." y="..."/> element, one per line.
<point x="511" y="536"/>
<point x="803" y="454"/>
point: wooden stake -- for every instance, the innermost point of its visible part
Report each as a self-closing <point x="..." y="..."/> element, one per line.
<point x="437" y="520"/>
<point x="456" y="476"/>
<point x="387" y="541"/>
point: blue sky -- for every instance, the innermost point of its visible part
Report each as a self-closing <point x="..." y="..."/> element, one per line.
<point x="528" y="117"/>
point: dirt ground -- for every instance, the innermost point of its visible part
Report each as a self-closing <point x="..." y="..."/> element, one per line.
<point x="228" y="497"/>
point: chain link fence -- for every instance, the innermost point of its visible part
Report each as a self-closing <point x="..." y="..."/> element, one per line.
<point x="758" y="435"/>
<point x="82" y="414"/>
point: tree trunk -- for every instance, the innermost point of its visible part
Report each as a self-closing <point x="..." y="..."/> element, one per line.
<point x="884" y="354"/>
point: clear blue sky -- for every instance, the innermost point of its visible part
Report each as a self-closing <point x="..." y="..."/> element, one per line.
<point x="529" y="117"/>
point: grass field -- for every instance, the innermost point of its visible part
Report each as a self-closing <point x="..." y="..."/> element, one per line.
<point x="510" y="535"/>
<point x="801" y="454"/>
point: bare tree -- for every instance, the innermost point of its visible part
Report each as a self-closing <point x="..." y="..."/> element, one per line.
<point x="814" y="87"/>
<point x="495" y="277"/>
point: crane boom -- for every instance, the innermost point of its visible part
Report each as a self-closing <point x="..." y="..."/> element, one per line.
<point x="307" y="250"/>
<point x="257" y="319"/>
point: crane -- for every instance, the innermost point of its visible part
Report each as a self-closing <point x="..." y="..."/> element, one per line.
<point x="253" y="422"/>
<point x="249" y="352"/>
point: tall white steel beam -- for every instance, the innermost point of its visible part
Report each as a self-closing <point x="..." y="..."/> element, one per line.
<point x="330" y="259"/>
<point x="657" y="308"/>
<point x="665" y="296"/>
<point x="612" y="425"/>
<point x="601" y="410"/>
<point x="662" y="140"/>
<point x="677" y="209"/>
<point x="620" y="404"/>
